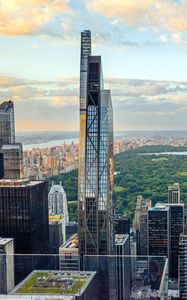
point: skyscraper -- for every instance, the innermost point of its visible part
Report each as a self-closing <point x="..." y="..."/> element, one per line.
<point x="174" y="193"/>
<point x="183" y="266"/>
<point x="58" y="201"/>
<point x="165" y="224"/>
<point x="7" y="126"/>
<point x="24" y="217"/>
<point x="11" y="152"/>
<point x="95" y="157"/>
<point x="140" y="224"/>
<point x="13" y="161"/>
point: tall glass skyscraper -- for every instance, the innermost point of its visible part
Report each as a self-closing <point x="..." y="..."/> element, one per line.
<point x="95" y="157"/>
<point x="7" y="126"/>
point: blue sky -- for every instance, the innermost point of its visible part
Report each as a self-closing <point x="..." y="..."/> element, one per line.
<point x="144" y="54"/>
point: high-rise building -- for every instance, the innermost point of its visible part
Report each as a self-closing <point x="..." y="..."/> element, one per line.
<point x="174" y="193"/>
<point x="1" y="166"/>
<point x="183" y="266"/>
<point x="7" y="127"/>
<point x="140" y="224"/>
<point x="13" y="161"/>
<point x="165" y="224"/>
<point x="123" y="266"/>
<point x="24" y="214"/>
<point x="58" y="201"/>
<point x="6" y="265"/>
<point x="122" y="224"/>
<point x="95" y="157"/>
<point x="24" y="217"/>
<point x="69" y="255"/>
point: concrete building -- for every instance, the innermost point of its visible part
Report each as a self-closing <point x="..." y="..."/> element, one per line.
<point x="174" y="193"/>
<point x="58" y="202"/>
<point x="165" y="224"/>
<point x="140" y="224"/>
<point x="69" y="255"/>
<point x="123" y="266"/>
<point x="6" y="265"/>
<point x="13" y="161"/>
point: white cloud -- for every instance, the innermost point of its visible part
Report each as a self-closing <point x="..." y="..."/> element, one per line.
<point x="21" y="17"/>
<point x="164" y="14"/>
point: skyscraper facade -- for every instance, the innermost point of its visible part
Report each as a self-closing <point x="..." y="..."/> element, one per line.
<point x="95" y="157"/>
<point x="7" y="126"/>
<point x="165" y="224"/>
<point x="13" y="161"/>
<point x="58" y="201"/>
<point x="174" y="193"/>
<point x="183" y="266"/>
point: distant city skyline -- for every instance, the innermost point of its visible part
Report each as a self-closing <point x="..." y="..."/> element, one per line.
<point x="143" y="45"/>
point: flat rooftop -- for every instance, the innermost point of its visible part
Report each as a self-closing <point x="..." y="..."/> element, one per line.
<point x="71" y="243"/>
<point x="4" y="241"/>
<point x="16" y="146"/>
<point x="55" y="219"/>
<point x="54" y="283"/>
<point x="17" y="183"/>
<point x="120" y="238"/>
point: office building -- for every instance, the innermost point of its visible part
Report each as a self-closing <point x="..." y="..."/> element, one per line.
<point x="71" y="229"/>
<point x="69" y="255"/>
<point x="122" y="224"/>
<point x="6" y="265"/>
<point x="24" y="217"/>
<point x="13" y="161"/>
<point x="140" y="224"/>
<point x="72" y="286"/>
<point x="95" y="157"/>
<point x="165" y="224"/>
<point x="58" y="201"/>
<point x="183" y="266"/>
<point x="7" y="126"/>
<point x="56" y="238"/>
<point x="123" y="266"/>
<point x="174" y="193"/>
<point x="1" y="166"/>
<point x="24" y="214"/>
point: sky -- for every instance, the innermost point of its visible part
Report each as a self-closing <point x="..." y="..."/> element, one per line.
<point x="143" y="45"/>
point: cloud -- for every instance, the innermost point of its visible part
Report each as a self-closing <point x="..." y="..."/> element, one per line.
<point x="22" y="17"/>
<point x="57" y="102"/>
<point x="164" y="14"/>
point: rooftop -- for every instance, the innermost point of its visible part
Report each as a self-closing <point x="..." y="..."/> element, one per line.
<point x="55" y="219"/>
<point x="120" y="238"/>
<point x="54" y="283"/>
<point x="4" y="241"/>
<point x="16" y="146"/>
<point x="71" y="243"/>
<point x="17" y="182"/>
<point x="6" y="105"/>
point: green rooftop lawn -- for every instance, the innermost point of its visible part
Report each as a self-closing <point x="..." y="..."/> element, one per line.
<point x="27" y="287"/>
